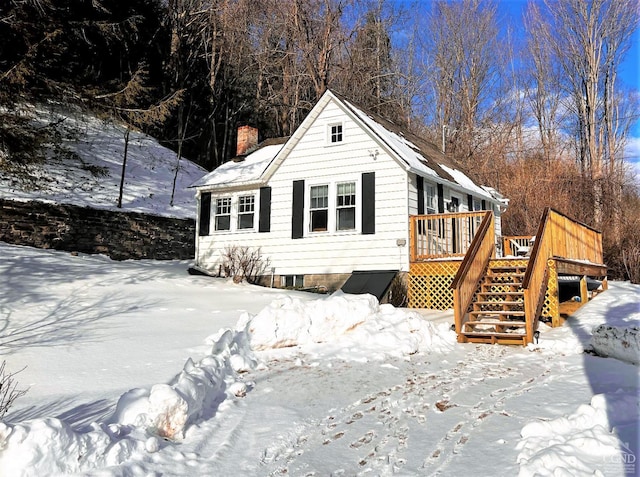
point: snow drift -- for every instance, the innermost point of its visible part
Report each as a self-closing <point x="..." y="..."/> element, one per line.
<point x="354" y="324"/>
<point x="43" y="446"/>
<point x="622" y="343"/>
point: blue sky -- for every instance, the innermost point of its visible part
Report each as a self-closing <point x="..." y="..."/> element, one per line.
<point x="629" y="74"/>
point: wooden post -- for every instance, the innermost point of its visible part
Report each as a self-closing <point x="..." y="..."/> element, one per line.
<point x="412" y="239"/>
<point x="584" y="291"/>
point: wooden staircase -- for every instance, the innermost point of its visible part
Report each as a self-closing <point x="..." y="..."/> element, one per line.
<point x="497" y="313"/>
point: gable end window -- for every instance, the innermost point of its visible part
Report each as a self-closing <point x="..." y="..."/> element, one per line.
<point x="319" y="208"/>
<point x="246" y="209"/>
<point x="223" y="213"/>
<point x="346" y="206"/>
<point x="335" y="133"/>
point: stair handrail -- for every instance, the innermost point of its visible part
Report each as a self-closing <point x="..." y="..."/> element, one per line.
<point x="534" y="281"/>
<point x="558" y="236"/>
<point x="472" y="268"/>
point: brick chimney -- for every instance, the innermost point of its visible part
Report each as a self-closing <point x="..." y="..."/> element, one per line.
<point x="247" y="138"/>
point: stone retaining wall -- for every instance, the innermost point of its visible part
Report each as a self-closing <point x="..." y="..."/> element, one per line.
<point x="120" y="235"/>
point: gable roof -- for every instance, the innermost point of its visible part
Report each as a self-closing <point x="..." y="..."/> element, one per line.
<point x="246" y="171"/>
<point x="413" y="153"/>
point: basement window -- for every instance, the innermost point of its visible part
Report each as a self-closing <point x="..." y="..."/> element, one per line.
<point x="292" y="281"/>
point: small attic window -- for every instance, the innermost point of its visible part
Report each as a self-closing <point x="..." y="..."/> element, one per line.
<point x="335" y="133"/>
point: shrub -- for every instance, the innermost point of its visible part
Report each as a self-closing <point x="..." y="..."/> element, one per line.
<point x="9" y="391"/>
<point x="244" y="263"/>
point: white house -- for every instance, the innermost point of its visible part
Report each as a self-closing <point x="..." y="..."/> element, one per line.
<point x="332" y="199"/>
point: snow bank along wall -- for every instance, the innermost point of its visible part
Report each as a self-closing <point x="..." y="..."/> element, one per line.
<point x="120" y="235"/>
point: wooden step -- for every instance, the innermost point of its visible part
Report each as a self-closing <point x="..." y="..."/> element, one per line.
<point x="493" y="333"/>
<point x="493" y="338"/>
<point x="499" y="293"/>
<point x="497" y="313"/>
<point x="491" y="273"/>
<point x="503" y="278"/>
<point x="498" y="302"/>
<point x="501" y="284"/>
<point x="509" y="268"/>
<point x="496" y="323"/>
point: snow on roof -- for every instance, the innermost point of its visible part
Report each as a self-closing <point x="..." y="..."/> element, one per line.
<point x="420" y="156"/>
<point x="242" y="172"/>
<point x="416" y="157"/>
<point x="406" y="150"/>
<point x="462" y="179"/>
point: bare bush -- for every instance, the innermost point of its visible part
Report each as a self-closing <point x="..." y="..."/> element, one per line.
<point x="244" y="263"/>
<point x="9" y="391"/>
<point x="631" y="247"/>
<point x="398" y="291"/>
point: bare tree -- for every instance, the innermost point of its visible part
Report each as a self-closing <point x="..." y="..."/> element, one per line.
<point x="466" y="73"/>
<point x="133" y="105"/>
<point x="588" y="40"/>
<point x="543" y="77"/>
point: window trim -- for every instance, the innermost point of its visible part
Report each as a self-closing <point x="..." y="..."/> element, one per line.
<point x="326" y="208"/>
<point x="353" y="206"/>
<point x="234" y="214"/>
<point x="332" y="207"/>
<point x="433" y="198"/>
<point x="339" y="134"/>
<point x="297" y="281"/>
<point x="217" y="215"/>
<point x="240" y="213"/>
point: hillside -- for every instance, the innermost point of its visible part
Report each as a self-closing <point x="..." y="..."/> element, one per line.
<point x="82" y="164"/>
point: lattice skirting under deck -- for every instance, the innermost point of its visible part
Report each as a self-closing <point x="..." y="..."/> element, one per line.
<point x="429" y="284"/>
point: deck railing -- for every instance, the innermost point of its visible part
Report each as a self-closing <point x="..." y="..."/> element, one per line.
<point x="557" y="236"/>
<point x="516" y="245"/>
<point x="442" y="235"/>
<point x="473" y="268"/>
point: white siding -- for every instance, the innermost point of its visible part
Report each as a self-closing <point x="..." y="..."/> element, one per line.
<point x="315" y="161"/>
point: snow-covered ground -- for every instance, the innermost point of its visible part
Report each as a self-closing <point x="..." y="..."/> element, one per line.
<point x="84" y="168"/>
<point x="137" y="368"/>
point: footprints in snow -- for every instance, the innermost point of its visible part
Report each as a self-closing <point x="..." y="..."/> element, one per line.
<point x="378" y="427"/>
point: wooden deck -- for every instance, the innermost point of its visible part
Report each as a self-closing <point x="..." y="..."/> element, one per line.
<point x="499" y="299"/>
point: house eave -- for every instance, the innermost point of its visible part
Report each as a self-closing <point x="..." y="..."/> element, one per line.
<point x="454" y="185"/>
<point x="236" y="186"/>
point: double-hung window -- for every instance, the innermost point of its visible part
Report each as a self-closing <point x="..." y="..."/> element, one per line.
<point x="246" y="210"/>
<point x="431" y="200"/>
<point x="319" y="208"/>
<point x="223" y="213"/>
<point x="346" y="206"/>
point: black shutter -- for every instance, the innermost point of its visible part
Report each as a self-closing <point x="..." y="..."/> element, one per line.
<point x="205" y="213"/>
<point x="264" y="222"/>
<point x="484" y="205"/>
<point x="470" y="202"/>
<point x="369" y="203"/>
<point x="440" y="199"/>
<point x="420" y="186"/>
<point x="297" y="215"/>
